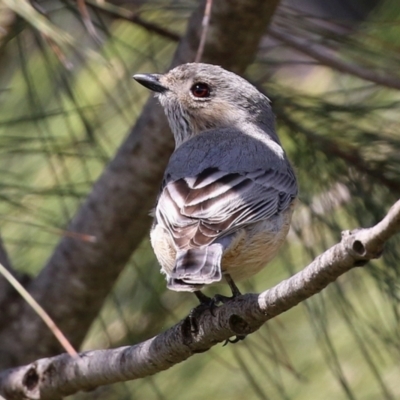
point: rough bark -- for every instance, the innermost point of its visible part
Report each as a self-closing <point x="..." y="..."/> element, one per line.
<point x="78" y="276"/>
<point x="53" y="378"/>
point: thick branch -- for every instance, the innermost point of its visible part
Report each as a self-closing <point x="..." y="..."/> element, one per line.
<point x="78" y="276"/>
<point x="55" y="377"/>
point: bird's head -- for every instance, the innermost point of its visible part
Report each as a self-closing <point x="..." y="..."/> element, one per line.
<point x="198" y="97"/>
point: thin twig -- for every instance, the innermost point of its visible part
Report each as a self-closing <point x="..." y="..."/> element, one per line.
<point x="324" y="57"/>
<point x="39" y="311"/>
<point x="56" y="231"/>
<point x="123" y="13"/>
<point x="204" y="29"/>
<point x="87" y="21"/>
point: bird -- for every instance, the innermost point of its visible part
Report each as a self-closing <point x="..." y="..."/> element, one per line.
<point x="228" y="193"/>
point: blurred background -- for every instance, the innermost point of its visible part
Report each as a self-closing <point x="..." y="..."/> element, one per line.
<point x="332" y="71"/>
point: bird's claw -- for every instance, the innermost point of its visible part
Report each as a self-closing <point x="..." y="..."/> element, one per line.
<point x="210" y="304"/>
<point x="238" y="338"/>
<point x="196" y="312"/>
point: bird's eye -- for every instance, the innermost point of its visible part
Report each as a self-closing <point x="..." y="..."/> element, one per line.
<point x="200" y="90"/>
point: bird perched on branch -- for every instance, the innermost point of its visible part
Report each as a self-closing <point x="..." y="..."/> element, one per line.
<point x="228" y="192"/>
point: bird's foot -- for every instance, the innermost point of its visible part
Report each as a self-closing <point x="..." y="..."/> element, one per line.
<point x="237" y="338"/>
<point x="210" y="304"/>
<point x="206" y="304"/>
<point x="221" y="299"/>
<point x="225" y="299"/>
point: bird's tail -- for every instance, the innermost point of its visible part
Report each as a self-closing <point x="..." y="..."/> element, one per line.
<point x="196" y="267"/>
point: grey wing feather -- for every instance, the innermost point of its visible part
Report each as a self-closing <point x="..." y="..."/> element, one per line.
<point x="212" y="200"/>
<point x="196" y="216"/>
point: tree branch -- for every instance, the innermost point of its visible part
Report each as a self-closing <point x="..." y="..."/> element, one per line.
<point x="128" y="15"/>
<point x="79" y="275"/>
<point x="52" y="378"/>
<point x="326" y="58"/>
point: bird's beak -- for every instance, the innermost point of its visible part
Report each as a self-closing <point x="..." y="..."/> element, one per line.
<point x="151" y="81"/>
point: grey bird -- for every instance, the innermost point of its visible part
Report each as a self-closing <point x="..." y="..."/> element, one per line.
<point x="228" y="192"/>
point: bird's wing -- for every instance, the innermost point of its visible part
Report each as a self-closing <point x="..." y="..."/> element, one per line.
<point x="199" y="209"/>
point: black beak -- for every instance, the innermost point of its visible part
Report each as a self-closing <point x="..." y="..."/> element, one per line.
<point x="151" y="81"/>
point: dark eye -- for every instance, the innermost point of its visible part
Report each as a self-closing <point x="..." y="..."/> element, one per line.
<point x="200" y="90"/>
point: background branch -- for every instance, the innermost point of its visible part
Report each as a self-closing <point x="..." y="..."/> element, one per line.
<point x="123" y="13"/>
<point x="325" y="57"/>
<point x="79" y="275"/>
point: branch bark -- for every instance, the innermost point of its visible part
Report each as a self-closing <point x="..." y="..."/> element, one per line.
<point x="53" y="378"/>
<point x="79" y="275"/>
